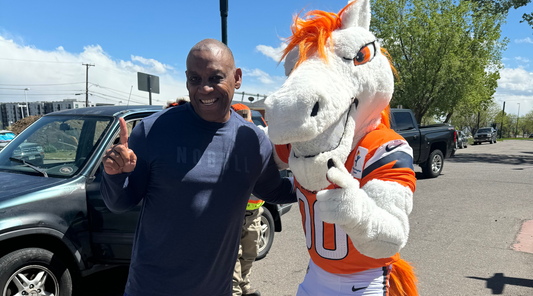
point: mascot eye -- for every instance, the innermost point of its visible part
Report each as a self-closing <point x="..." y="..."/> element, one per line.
<point x="365" y="55"/>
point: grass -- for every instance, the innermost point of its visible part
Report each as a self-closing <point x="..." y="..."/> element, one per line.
<point x="61" y="154"/>
<point x="507" y="139"/>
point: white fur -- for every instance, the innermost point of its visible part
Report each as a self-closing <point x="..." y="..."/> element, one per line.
<point x="333" y="85"/>
<point x="375" y="217"/>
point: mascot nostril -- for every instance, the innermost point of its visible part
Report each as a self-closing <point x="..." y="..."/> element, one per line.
<point x="314" y="112"/>
<point x="356" y="101"/>
<point x="330" y="163"/>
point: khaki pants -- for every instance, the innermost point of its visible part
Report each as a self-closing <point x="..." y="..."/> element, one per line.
<point x="248" y="250"/>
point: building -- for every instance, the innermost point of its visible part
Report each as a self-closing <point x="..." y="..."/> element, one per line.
<point x="12" y="112"/>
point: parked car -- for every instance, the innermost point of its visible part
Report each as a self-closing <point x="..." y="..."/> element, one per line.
<point x="54" y="224"/>
<point x="462" y="140"/>
<point x="431" y="144"/>
<point x="531" y="136"/>
<point x="29" y="152"/>
<point x="485" y="134"/>
<point x="5" y="138"/>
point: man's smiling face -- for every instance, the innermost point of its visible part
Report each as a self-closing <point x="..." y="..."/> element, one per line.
<point x="211" y="80"/>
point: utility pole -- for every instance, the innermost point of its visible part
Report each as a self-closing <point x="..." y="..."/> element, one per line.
<point x="517" y="118"/>
<point x="224" y="18"/>
<point x="87" y="84"/>
<point x="501" y="125"/>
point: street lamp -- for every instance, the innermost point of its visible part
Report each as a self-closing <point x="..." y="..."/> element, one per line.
<point x="26" y="101"/>
<point x="517" y="118"/>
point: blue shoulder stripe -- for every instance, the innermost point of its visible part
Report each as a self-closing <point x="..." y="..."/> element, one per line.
<point x="403" y="160"/>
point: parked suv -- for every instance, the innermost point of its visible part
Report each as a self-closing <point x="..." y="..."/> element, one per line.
<point x="54" y="224"/>
<point x="485" y="134"/>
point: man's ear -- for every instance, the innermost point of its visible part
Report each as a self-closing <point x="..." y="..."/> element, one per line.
<point x="238" y="78"/>
<point x="186" y="80"/>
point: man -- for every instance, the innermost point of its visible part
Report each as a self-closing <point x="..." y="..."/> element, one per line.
<point x="251" y="232"/>
<point x="194" y="166"/>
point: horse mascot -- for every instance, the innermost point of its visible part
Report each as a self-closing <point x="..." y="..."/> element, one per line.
<point x="354" y="175"/>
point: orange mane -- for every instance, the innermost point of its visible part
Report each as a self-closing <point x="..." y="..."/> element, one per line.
<point x="312" y="32"/>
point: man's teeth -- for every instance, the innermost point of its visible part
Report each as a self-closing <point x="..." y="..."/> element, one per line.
<point x="208" y="102"/>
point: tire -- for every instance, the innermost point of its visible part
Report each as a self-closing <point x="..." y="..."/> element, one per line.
<point x="433" y="166"/>
<point x="267" y="234"/>
<point x="33" y="264"/>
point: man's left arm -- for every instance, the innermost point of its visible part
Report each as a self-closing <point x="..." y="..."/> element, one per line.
<point x="270" y="186"/>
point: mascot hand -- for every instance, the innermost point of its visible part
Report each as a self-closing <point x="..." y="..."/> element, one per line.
<point x="341" y="205"/>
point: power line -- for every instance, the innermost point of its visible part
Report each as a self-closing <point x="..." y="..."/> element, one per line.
<point x="37" y="61"/>
<point x="47" y="84"/>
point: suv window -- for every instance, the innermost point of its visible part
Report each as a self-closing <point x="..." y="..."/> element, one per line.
<point x="403" y="120"/>
<point x="59" y="145"/>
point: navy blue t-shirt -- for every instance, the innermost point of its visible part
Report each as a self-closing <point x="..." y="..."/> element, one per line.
<point x="195" y="178"/>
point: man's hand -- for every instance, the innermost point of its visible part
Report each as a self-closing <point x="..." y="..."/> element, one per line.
<point x="120" y="159"/>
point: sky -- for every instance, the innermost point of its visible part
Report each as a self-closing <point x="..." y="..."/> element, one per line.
<point x="43" y="45"/>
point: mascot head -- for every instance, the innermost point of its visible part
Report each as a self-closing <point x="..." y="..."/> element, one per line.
<point x="338" y="89"/>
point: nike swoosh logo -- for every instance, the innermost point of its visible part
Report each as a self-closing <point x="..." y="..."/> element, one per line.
<point x="390" y="148"/>
<point x="354" y="289"/>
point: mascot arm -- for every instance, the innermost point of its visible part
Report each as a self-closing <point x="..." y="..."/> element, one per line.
<point x="375" y="217"/>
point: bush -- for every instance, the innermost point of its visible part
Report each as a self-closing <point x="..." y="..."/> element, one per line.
<point x="49" y="149"/>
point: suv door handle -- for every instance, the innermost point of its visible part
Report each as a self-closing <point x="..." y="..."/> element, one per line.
<point x="415" y="137"/>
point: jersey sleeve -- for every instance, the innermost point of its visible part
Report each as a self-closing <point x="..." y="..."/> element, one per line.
<point x="390" y="158"/>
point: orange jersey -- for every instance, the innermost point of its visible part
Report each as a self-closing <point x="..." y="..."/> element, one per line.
<point x="382" y="154"/>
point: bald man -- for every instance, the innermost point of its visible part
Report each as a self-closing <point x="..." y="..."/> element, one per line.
<point x="194" y="166"/>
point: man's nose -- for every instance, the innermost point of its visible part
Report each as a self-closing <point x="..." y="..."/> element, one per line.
<point x="205" y="87"/>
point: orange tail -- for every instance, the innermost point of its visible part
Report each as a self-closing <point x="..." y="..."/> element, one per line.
<point x="402" y="279"/>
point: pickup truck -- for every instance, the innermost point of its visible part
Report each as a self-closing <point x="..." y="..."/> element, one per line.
<point x="431" y="144"/>
<point x="54" y="225"/>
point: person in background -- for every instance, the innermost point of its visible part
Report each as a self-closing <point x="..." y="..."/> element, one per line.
<point x="194" y="167"/>
<point x="179" y="101"/>
<point x="251" y="232"/>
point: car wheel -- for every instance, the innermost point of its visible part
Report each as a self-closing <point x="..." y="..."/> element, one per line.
<point x="34" y="271"/>
<point x="267" y="234"/>
<point x="433" y="166"/>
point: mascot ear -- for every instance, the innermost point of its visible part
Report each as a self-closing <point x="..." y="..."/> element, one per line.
<point x="357" y="15"/>
<point x="291" y="59"/>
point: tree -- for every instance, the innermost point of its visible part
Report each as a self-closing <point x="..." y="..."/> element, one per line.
<point x="465" y="119"/>
<point x="503" y="7"/>
<point x="525" y="124"/>
<point x="447" y="54"/>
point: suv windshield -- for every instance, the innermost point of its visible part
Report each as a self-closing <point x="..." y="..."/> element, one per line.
<point x="483" y="130"/>
<point x="59" y="145"/>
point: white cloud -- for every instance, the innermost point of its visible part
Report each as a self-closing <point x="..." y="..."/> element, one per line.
<point x="516" y="86"/>
<point x="157" y="67"/>
<point x="57" y="74"/>
<point x="522" y="59"/>
<point x="273" y="53"/>
<point x="259" y="74"/>
<point x="525" y="40"/>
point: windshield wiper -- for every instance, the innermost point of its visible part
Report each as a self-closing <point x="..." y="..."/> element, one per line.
<point x="36" y="168"/>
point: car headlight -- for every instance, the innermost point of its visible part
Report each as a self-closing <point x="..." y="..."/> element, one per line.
<point x="40" y="148"/>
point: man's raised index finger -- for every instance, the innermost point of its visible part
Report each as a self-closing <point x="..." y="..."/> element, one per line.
<point x="123" y="132"/>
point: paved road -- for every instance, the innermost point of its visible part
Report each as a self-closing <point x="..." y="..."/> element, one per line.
<point x="463" y="227"/>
